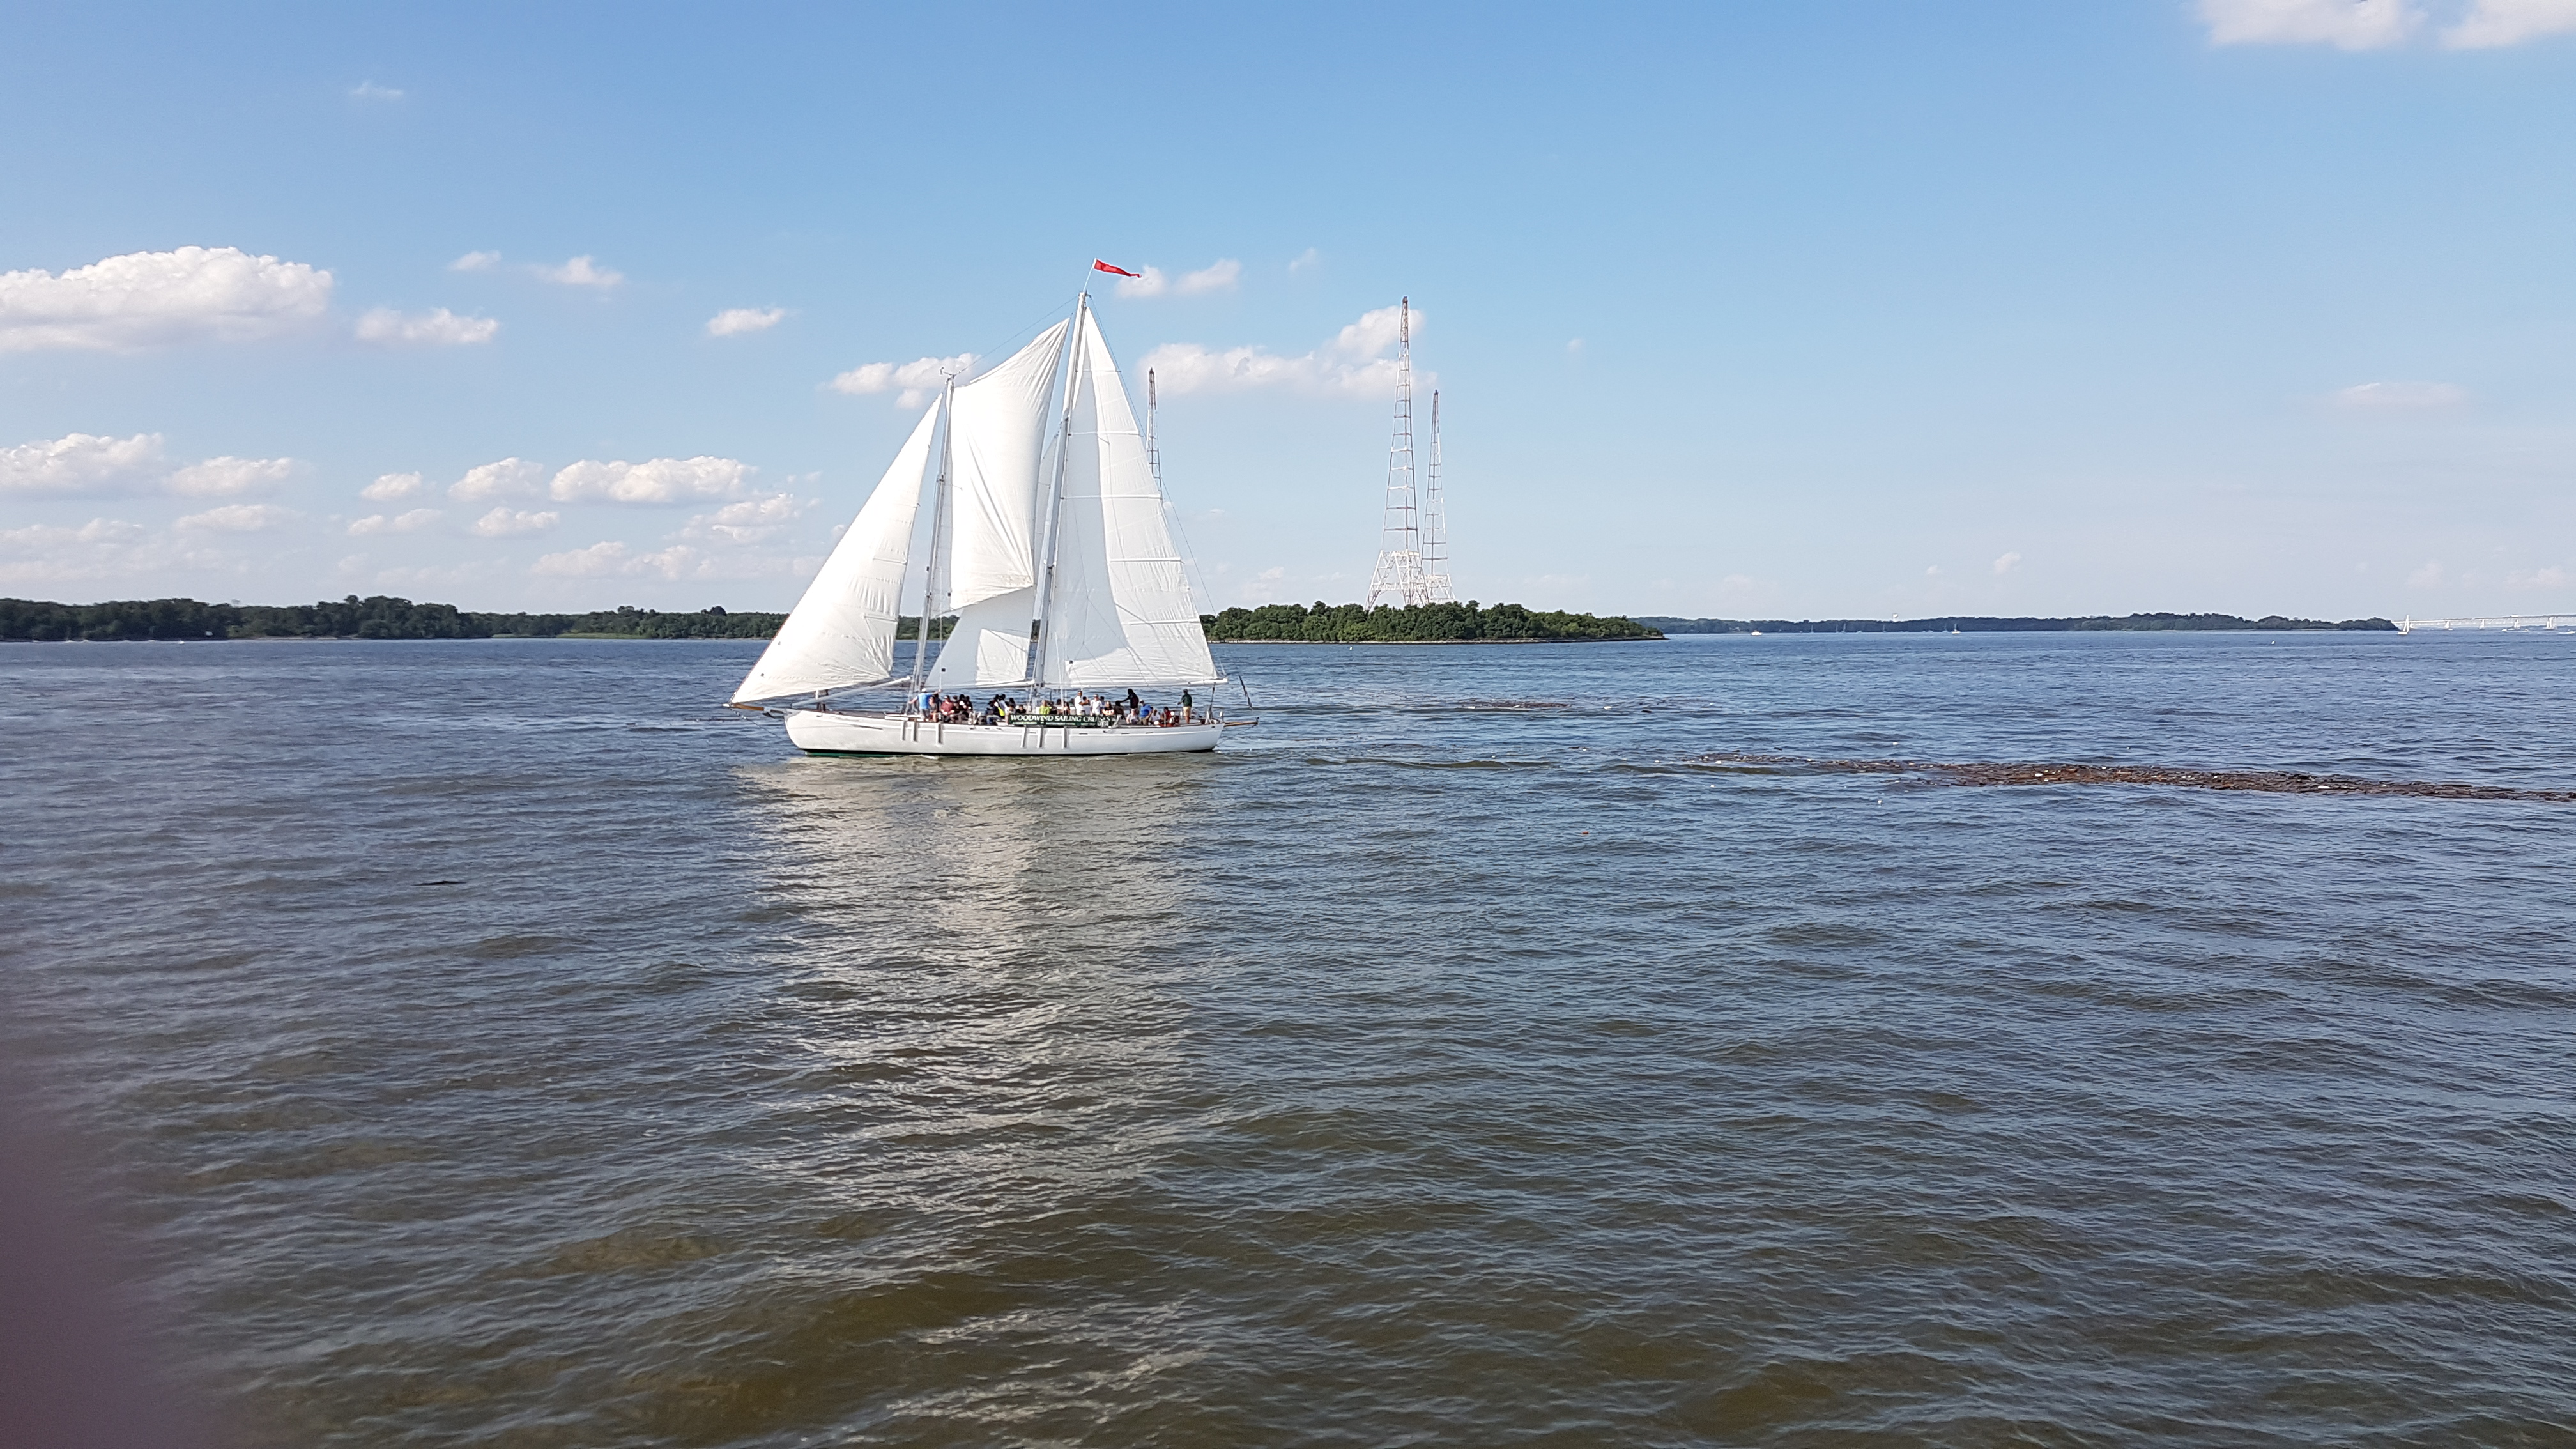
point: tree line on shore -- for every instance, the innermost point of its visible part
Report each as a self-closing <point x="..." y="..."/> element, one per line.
<point x="1966" y="624"/>
<point x="377" y="617"/>
<point x="384" y="617"/>
<point x="1465" y="623"/>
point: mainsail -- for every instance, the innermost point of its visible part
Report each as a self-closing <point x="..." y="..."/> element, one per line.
<point x="1120" y="612"/>
<point x="842" y="632"/>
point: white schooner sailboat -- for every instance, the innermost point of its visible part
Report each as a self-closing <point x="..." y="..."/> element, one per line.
<point x="1052" y="546"/>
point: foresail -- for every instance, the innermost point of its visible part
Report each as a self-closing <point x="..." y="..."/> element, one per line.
<point x="842" y="632"/>
<point x="997" y="431"/>
<point x="1122" y="612"/>
<point x="989" y="644"/>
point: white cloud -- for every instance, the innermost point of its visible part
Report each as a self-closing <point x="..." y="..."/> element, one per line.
<point x="506" y="522"/>
<point x="441" y="328"/>
<point x="2004" y="564"/>
<point x="2493" y="23"/>
<point x="1221" y="276"/>
<point x="509" y="478"/>
<point x="370" y="91"/>
<point x="1306" y="261"/>
<point x="660" y="480"/>
<point x="159" y="299"/>
<point x="734" y="321"/>
<point x="411" y="522"/>
<point x="81" y="463"/>
<point x="1353" y="363"/>
<point x="916" y="380"/>
<point x="45" y="537"/>
<point x="2344" y="24"/>
<point x="581" y="271"/>
<point x="605" y="557"/>
<point x="2401" y="396"/>
<point x="2427" y="577"/>
<point x="240" y="518"/>
<point x="475" y="262"/>
<point x="749" y="521"/>
<point x="2544" y="578"/>
<point x="230" y="477"/>
<point x="394" y="487"/>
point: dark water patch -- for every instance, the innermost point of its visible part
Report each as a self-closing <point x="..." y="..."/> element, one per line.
<point x="2290" y="782"/>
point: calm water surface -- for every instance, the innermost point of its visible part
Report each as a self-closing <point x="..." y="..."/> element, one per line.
<point x="496" y="1043"/>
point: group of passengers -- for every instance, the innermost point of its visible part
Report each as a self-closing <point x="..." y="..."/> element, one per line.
<point x="1092" y="709"/>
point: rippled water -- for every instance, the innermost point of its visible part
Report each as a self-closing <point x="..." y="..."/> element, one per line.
<point x="496" y="1043"/>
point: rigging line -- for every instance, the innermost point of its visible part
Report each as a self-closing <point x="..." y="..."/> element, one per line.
<point x="1010" y="345"/>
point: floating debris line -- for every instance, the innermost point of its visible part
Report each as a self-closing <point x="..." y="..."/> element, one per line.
<point x="2283" y="782"/>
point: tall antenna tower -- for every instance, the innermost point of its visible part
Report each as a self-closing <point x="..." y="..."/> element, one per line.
<point x="1435" y="524"/>
<point x="1398" y="576"/>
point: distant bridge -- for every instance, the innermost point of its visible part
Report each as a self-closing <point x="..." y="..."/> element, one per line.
<point x="2491" y="621"/>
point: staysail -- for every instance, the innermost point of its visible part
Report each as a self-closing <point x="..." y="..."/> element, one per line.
<point x="841" y="633"/>
<point x="1121" y="612"/>
<point x="997" y="427"/>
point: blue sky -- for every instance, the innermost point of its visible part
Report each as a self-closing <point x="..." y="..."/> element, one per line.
<point x="1746" y="309"/>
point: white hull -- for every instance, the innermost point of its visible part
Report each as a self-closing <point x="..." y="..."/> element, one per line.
<point x="833" y="732"/>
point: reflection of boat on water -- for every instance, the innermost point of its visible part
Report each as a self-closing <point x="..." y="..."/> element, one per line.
<point x="1053" y="548"/>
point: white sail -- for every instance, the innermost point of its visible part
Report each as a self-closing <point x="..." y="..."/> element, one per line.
<point x="988" y="646"/>
<point x="1121" y="612"/>
<point x="842" y="632"/>
<point x="998" y="426"/>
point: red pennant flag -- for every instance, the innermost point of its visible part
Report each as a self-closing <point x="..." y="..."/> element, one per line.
<point x="1098" y="265"/>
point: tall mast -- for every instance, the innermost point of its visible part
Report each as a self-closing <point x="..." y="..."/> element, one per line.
<point x="1435" y="523"/>
<point x="1398" y="576"/>
<point x="938" y="528"/>
<point x="1055" y="497"/>
<point x="1153" y="454"/>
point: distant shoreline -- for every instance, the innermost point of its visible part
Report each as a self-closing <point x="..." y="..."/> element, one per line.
<point x="1981" y="624"/>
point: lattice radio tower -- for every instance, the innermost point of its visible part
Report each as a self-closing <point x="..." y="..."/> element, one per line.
<point x="1399" y="576"/>
<point x="1435" y="523"/>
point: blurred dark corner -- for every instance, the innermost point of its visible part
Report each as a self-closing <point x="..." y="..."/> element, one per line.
<point x="77" y="1367"/>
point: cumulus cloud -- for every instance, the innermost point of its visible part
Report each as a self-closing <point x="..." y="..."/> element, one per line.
<point x="2401" y="396"/>
<point x="2492" y="23"/>
<point x="44" y="554"/>
<point x="508" y="522"/>
<point x="605" y="557"/>
<point x="915" y="381"/>
<point x="509" y="478"/>
<point x="441" y="328"/>
<point x="1222" y="276"/>
<point x="750" y="521"/>
<point x="659" y="480"/>
<point x="230" y="477"/>
<point x="240" y="518"/>
<point x="411" y="522"/>
<point x="734" y="321"/>
<point x="82" y="463"/>
<point x="581" y="271"/>
<point x="370" y="91"/>
<point x="160" y="299"/>
<point x="2004" y="564"/>
<point x="475" y="262"/>
<point x="1306" y="261"/>
<point x="1353" y="363"/>
<point x="2344" y="24"/>
<point x="394" y="487"/>
<point x="2380" y="24"/>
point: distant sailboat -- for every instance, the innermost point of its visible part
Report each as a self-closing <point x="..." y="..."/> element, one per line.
<point x="1051" y="546"/>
